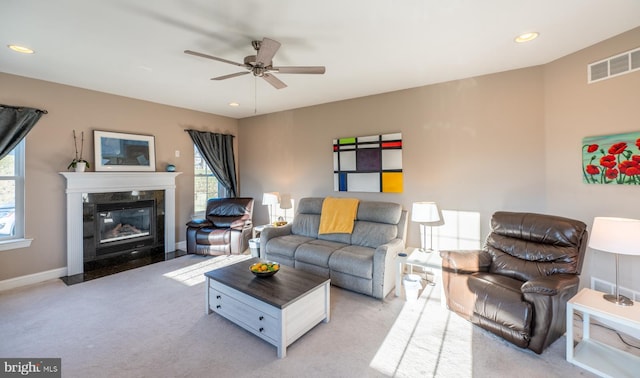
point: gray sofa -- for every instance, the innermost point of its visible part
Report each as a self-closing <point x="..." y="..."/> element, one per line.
<point x="363" y="261"/>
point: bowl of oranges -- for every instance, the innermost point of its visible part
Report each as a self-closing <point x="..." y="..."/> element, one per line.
<point x="265" y="268"/>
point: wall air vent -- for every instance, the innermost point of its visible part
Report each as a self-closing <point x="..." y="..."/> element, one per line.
<point x="614" y="66"/>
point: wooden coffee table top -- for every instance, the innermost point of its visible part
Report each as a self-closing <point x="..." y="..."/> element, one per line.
<point x="279" y="290"/>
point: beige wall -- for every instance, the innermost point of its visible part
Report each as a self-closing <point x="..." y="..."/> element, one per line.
<point x="49" y="149"/>
<point x="508" y="141"/>
<point x="574" y="110"/>
<point x="471" y="145"/>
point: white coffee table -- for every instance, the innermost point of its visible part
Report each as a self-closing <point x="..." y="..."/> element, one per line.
<point x="278" y="309"/>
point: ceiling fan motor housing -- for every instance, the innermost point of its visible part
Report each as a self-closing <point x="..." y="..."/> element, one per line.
<point x="258" y="69"/>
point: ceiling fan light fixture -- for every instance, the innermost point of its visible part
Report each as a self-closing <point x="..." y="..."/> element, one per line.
<point x="526" y="37"/>
<point x="21" y="49"/>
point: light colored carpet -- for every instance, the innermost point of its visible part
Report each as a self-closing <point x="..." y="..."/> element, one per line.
<point x="151" y="322"/>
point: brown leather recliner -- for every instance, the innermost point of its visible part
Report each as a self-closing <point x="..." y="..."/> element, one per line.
<point x="518" y="285"/>
<point x="226" y="229"/>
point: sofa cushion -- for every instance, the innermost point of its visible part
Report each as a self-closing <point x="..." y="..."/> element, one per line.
<point x="340" y="238"/>
<point x="306" y="225"/>
<point x="317" y="252"/>
<point x="370" y="234"/>
<point x="310" y="205"/>
<point x="379" y="212"/>
<point x="286" y="245"/>
<point x="354" y="260"/>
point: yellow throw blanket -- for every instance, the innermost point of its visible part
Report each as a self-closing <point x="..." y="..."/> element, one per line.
<point x="338" y="215"/>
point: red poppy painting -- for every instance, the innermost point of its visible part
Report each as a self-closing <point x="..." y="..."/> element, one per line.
<point x="611" y="159"/>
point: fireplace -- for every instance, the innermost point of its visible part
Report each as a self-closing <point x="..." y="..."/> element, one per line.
<point x="124" y="225"/>
<point x="121" y="226"/>
<point x="119" y="196"/>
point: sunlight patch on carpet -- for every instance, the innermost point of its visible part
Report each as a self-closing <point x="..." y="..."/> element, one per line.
<point x="194" y="274"/>
<point x="426" y="340"/>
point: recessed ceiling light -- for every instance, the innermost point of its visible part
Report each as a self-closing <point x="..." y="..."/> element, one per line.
<point x="21" y="49"/>
<point x="234" y="104"/>
<point x="526" y="37"/>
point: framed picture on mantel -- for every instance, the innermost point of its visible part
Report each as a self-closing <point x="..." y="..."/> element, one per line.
<point x="119" y="152"/>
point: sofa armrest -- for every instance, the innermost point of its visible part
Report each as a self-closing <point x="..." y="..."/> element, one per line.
<point x="465" y="261"/>
<point x="269" y="233"/>
<point x="550" y="285"/>
<point x="384" y="267"/>
<point x="199" y="223"/>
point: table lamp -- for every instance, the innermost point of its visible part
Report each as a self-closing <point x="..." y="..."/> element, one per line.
<point x="270" y="199"/>
<point x="619" y="236"/>
<point x="427" y="214"/>
<point x="285" y="203"/>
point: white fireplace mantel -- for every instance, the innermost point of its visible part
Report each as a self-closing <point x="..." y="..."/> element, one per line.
<point x="105" y="182"/>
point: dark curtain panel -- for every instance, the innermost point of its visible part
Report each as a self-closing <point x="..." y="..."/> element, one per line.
<point x="15" y="124"/>
<point x="217" y="150"/>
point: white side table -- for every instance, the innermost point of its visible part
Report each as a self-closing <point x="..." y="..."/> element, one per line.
<point x="258" y="229"/>
<point x="415" y="257"/>
<point x="593" y="355"/>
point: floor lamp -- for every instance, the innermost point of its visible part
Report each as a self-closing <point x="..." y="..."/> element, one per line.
<point x="270" y="199"/>
<point x="619" y="236"/>
<point x="427" y="214"/>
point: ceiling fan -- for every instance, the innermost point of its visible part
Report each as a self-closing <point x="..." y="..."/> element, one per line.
<point x="261" y="64"/>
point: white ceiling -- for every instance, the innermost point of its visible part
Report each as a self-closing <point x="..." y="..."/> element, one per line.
<point x="134" y="48"/>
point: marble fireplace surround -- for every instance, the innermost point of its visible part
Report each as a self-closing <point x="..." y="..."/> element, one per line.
<point x="105" y="182"/>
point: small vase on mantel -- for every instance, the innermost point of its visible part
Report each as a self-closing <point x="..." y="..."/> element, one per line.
<point x="80" y="166"/>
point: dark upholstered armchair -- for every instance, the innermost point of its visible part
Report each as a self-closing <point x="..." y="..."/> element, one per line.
<point x="225" y="230"/>
<point x="518" y="285"/>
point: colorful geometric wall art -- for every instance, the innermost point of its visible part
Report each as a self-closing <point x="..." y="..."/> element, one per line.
<point x="368" y="164"/>
<point x="611" y="159"/>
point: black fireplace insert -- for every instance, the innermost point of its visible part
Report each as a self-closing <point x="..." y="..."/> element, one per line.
<point x="124" y="226"/>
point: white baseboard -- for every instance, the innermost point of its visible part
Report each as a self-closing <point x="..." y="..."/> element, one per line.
<point x="31" y="279"/>
<point x="182" y="245"/>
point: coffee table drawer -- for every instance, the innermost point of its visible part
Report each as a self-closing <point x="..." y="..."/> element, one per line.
<point x="244" y="314"/>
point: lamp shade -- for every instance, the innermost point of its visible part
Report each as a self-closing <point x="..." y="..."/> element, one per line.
<point x="285" y="201"/>
<point x="270" y="198"/>
<point x="616" y="235"/>
<point x="426" y="213"/>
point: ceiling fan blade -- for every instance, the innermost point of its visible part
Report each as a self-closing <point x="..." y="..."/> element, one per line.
<point x="277" y="83"/>
<point x="213" y="57"/>
<point x="300" y="70"/>
<point x="229" y="76"/>
<point x="268" y="48"/>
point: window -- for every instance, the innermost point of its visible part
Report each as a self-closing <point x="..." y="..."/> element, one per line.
<point x="205" y="183"/>
<point x="12" y="194"/>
